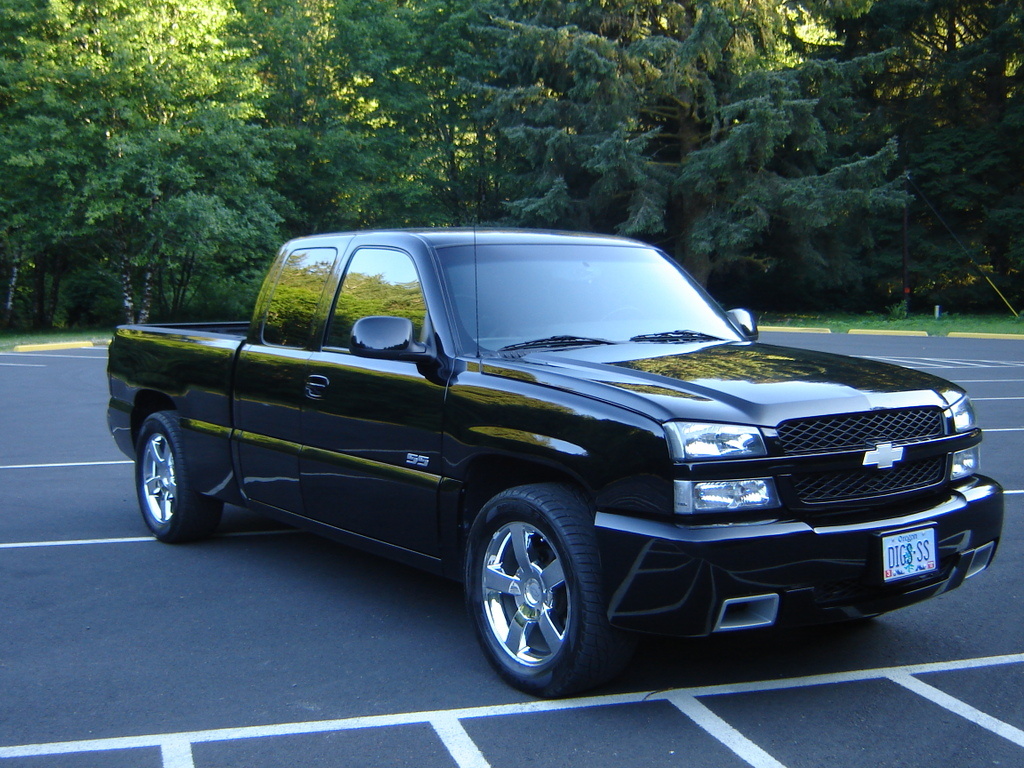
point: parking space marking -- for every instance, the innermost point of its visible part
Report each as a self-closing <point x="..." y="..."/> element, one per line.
<point x="984" y="399"/>
<point x="960" y="708"/>
<point x="133" y="539"/>
<point x="73" y="542"/>
<point x="728" y="736"/>
<point x="22" y="365"/>
<point x="34" y="355"/>
<point x="460" y="745"/>
<point x="177" y="754"/>
<point x="948" y="363"/>
<point x="176" y="748"/>
<point x="66" y="464"/>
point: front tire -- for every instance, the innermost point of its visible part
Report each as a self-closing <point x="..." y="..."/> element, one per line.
<point x="170" y="506"/>
<point x="534" y="591"/>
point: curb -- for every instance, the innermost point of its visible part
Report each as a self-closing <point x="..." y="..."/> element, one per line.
<point x="882" y="332"/>
<point x="968" y="335"/>
<point x="54" y="346"/>
<point x="787" y="329"/>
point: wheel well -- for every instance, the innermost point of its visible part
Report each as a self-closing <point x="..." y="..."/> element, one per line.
<point x="490" y="475"/>
<point x="147" y="402"/>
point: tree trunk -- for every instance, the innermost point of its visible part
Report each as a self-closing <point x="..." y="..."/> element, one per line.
<point x="8" y="310"/>
<point x="58" y="266"/>
<point x="39" y="292"/>
<point x="127" y="290"/>
<point x="697" y="263"/>
<point x="146" y="306"/>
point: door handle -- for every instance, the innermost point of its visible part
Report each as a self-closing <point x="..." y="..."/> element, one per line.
<point x="316" y="386"/>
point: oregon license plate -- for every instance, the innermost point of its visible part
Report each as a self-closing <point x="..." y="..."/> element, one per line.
<point x="910" y="553"/>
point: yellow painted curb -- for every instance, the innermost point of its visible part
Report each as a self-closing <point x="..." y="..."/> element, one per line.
<point x="787" y="329"/>
<point x="879" y="332"/>
<point x="966" y="335"/>
<point x="56" y="345"/>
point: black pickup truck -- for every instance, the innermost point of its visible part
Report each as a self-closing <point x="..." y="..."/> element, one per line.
<point x="569" y="425"/>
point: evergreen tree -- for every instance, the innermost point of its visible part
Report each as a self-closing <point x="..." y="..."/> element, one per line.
<point x="952" y="92"/>
<point x="695" y="124"/>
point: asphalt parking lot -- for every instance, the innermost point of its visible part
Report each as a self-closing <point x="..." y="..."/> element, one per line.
<point x="268" y="647"/>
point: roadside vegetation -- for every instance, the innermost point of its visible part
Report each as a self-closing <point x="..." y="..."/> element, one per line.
<point x="802" y="156"/>
<point x="836" y="323"/>
<point x="941" y="326"/>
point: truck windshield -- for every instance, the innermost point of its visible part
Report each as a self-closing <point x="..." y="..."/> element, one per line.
<point x="553" y="295"/>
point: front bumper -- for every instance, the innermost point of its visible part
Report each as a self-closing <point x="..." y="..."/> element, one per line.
<point x="689" y="581"/>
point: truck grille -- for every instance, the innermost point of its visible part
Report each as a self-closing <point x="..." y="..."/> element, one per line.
<point x="824" y="487"/>
<point x="860" y="430"/>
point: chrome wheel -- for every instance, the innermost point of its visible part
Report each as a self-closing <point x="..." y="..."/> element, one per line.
<point x="170" y="505"/>
<point x="525" y="600"/>
<point x="159" y="484"/>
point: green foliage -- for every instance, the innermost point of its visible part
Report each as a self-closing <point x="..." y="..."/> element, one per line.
<point x="156" y="152"/>
<point x="125" y="142"/>
<point x="686" y="123"/>
<point x="952" y="92"/>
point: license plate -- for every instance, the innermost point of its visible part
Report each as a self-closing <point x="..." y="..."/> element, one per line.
<point x="909" y="553"/>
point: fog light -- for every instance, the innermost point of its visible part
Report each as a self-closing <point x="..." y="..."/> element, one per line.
<point x="725" y="495"/>
<point x="965" y="463"/>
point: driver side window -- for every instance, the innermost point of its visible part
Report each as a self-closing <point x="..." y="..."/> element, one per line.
<point x="378" y="282"/>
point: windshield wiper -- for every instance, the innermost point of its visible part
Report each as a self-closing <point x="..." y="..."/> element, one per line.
<point x="556" y="342"/>
<point x="669" y="337"/>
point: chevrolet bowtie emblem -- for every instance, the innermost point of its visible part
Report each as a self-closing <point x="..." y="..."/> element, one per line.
<point x="883" y="456"/>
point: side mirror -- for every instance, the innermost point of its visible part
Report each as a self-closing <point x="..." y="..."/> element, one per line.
<point x="745" y="322"/>
<point x="386" y="338"/>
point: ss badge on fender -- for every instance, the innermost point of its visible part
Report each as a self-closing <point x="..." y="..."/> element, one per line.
<point x="415" y="460"/>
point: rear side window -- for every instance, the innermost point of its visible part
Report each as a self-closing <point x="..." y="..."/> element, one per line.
<point x="291" y="311"/>
<point x="378" y="282"/>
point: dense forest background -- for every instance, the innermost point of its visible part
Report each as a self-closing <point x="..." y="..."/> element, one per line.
<point x="790" y="153"/>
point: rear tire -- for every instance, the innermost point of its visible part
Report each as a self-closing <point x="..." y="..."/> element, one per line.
<point x="170" y="506"/>
<point x="534" y="591"/>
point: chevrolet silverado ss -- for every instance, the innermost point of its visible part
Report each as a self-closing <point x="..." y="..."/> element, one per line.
<point x="570" y="426"/>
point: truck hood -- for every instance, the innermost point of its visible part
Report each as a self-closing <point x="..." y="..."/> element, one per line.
<point x="741" y="382"/>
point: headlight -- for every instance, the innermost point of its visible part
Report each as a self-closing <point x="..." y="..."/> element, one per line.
<point x="725" y="495"/>
<point x="962" y="413"/>
<point x="691" y="441"/>
<point x="965" y="463"/>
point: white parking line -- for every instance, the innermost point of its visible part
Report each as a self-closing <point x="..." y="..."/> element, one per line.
<point x="39" y="354"/>
<point x="946" y="363"/>
<point x="958" y="707"/>
<point x="177" y="753"/>
<point x="22" y="365"/>
<point x="984" y="399"/>
<point x="66" y="464"/>
<point x="743" y="747"/>
<point x="132" y="539"/>
<point x="459" y="744"/>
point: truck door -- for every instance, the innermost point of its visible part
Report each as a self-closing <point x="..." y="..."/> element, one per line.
<point x="270" y="380"/>
<point x="372" y="428"/>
